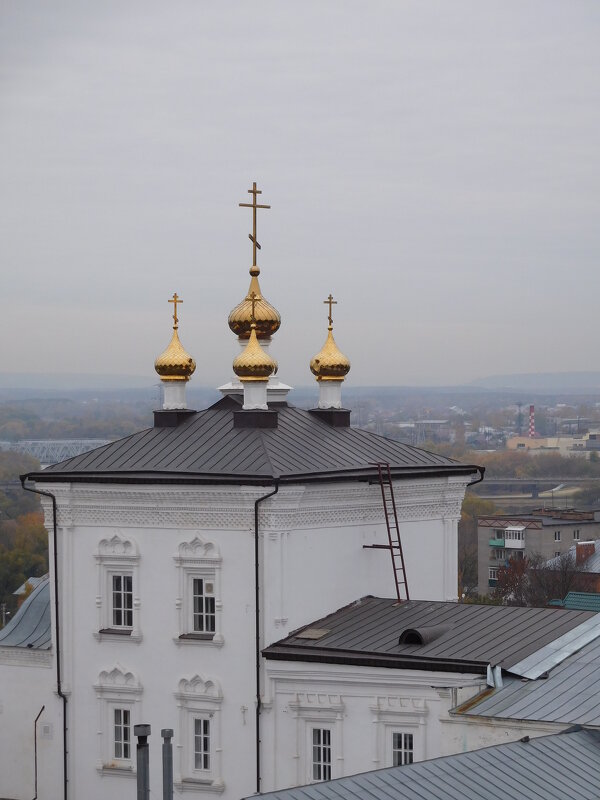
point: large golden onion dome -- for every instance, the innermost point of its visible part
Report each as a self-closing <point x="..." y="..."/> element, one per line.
<point x="254" y="363"/>
<point x="267" y="317"/>
<point x="175" y="363"/>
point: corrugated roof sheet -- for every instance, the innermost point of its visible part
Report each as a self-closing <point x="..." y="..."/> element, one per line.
<point x="570" y="693"/>
<point x="555" y="767"/>
<point x="207" y="446"/>
<point x="582" y="601"/>
<point x="463" y="633"/>
<point x="30" y="626"/>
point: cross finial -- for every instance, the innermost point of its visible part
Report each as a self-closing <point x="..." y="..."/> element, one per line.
<point x="254" y="301"/>
<point x="254" y="205"/>
<point x="175" y="300"/>
<point x="330" y="302"/>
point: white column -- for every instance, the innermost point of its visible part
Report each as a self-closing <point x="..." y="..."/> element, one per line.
<point x="174" y="395"/>
<point x="255" y="395"/>
<point x="330" y="394"/>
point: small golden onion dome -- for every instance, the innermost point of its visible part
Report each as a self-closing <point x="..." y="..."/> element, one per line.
<point x="266" y="316"/>
<point x="175" y="364"/>
<point x="253" y="363"/>
<point x="330" y="364"/>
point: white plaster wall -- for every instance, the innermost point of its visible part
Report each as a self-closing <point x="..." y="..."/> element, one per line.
<point x="460" y="735"/>
<point x="26" y="684"/>
<point x="362" y="705"/>
<point x="312" y="562"/>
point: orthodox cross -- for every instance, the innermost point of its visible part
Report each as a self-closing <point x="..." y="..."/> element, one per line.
<point x="175" y="300"/>
<point x="254" y="300"/>
<point x="330" y="302"/>
<point x="254" y="205"/>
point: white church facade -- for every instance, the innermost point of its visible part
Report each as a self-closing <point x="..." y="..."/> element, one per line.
<point x="183" y="551"/>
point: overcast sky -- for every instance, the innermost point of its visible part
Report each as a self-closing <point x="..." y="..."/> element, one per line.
<point x="435" y="165"/>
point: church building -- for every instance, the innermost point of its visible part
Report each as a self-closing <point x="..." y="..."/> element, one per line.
<point x="179" y="554"/>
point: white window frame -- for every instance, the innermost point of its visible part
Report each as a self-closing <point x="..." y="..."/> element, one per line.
<point x="199" y="698"/>
<point x="116" y="689"/>
<point x="576" y="534"/>
<point x="117" y="556"/>
<point x="493" y="573"/>
<point x="124" y="741"/>
<point x="402" y="751"/>
<point x="198" y="559"/>
<point x="557" y="536"/>
<point x="321" y="753"/>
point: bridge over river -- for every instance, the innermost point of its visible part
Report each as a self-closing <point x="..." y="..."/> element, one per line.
<point x="51" y="451"/>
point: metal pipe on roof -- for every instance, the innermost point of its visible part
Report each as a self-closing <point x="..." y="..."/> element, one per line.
<point x="257" y="627"/>
<point x="59" y="690"/>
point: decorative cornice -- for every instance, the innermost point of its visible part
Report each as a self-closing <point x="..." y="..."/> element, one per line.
<point x="232" y="507"/>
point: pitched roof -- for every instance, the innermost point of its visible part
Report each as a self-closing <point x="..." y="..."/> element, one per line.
<point x="582" y="601"/>
<point x="590" y="565"/>
<point x="568" y="693"/>
<point x="550" y="767"/>
<point x="208" y="448"/>
<point x="30" y="626"/>
<point x="457" y="636"/>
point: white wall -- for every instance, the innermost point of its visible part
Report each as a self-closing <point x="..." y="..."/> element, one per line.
<point x="27" y="683"/>
<point x="312" y="560"/>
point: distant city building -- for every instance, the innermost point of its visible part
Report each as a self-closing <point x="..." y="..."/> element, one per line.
<point x="580" y="446"/>
<point x="545" y="532"/>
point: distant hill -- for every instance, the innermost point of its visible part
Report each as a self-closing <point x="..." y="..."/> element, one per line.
<point x="544" y="382"/>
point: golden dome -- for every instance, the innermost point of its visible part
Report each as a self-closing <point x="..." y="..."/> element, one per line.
<point x="330" y="364"/>
<point x="175" y="364"/>
<point x="267" y="318"/>
<point x="253" y="363"/>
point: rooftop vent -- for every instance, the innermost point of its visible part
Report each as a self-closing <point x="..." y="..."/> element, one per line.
<point x="423" y="635"/>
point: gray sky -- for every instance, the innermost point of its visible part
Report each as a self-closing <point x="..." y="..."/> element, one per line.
<point x="435" y="165"/>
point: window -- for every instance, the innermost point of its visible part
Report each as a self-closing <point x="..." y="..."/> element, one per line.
<point x="515" y="536"/>
<point x="498" y="553"/>
<point x="116" y="601"/>
<point x="402" y="749"/>
<point x="493" y="573"/>
<point x="198" y="603"/>
<point x="557" y="536"/>
<point x="118" y="692"/>
<point x="204" y="605"/>
<point x="321" y="754"/>
<point x="202" y="744"/>
<point x="199" y="758"/>
<point x="122" y="733"/>
<point x="576" y="534"/>
<point x="556" y="553"/>
<point x="122" y="601"/>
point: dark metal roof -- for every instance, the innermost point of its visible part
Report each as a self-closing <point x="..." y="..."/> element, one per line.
<point x="207" y="447"/>
<point x="565" y="765"/>
<point x="30" y="626"/>
<point x="458" y="635"/>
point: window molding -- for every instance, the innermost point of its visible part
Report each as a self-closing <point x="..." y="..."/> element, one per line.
<point x="313" y="712"/>
<point x="398" y="715"/>
<point x="197" y="559"/>
<point x="199" y="698"/>
<point x="116" y="556"/>
<point x="117" y="688"/>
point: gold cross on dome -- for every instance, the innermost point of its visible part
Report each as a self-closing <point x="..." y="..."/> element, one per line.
<point x="330" y="302"/>
<point x="253" y="205"/>
<point x="175" y="300"/>
<point x="254" y="301"/>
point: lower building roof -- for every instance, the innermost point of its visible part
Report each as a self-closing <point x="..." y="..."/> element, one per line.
<point x="455" y="636"/>
<point x="30" y="626"/>
<point x="565" y="765"/>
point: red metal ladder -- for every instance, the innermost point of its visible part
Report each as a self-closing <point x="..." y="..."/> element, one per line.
<point x="391" y="522"/>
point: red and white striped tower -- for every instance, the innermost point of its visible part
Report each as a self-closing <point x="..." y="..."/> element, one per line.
<point x="531" y="422"/>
